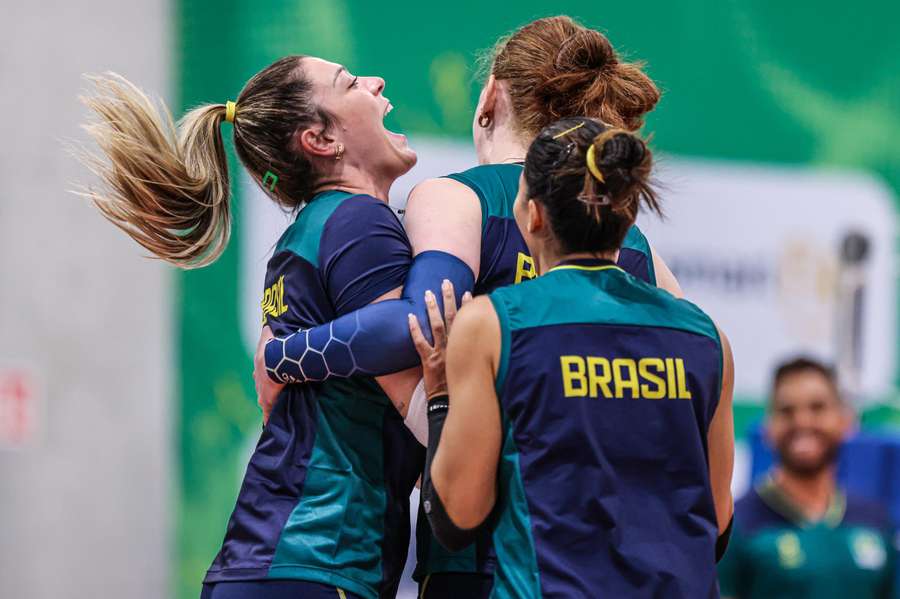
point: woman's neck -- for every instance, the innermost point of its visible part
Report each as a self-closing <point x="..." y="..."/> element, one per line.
<point x="353" y="180"/>
<point x="811" y="494"/>
<point x="548" y="259"/>
<point x="501" y="145"/>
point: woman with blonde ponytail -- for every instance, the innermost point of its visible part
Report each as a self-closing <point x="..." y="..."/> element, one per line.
<point x="167" y="187"/>
<point x="323" y="510"/>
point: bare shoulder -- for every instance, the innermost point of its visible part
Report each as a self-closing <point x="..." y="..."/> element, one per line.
<point x="476" y="327"/>
<point x="479" y="312"/>
<point x="445" y="215"/>
<point x="473" y="350"/>
<point x="443" y="192"/>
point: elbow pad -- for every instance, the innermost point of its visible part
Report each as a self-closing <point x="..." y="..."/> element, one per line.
<point x="722" y="541"/>
<point x="373" y="340"/>
<point x="445" y="531"/>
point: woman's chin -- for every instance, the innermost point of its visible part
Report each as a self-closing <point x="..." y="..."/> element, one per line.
<point x="410" y="156"/>
<point x="401" y="146"/>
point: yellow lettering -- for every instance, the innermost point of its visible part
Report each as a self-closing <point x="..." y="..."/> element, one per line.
<point x="644" y="366"/>
<point x="670" y="378"/>
<point x="629" y="382"/>
<point x="573" y="372"/>
<point x="598" y="381"/>
<point x="524" y="268"/>
<point x="282" y="307"/>
<point x="683" y="392"/>
<point x="273" y="300"/>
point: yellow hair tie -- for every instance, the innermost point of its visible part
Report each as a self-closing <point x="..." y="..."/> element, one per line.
<point x="592" y="164"/>
<point x="230" y="109"/>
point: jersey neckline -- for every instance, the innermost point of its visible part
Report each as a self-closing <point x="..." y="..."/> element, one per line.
<point x="590" y="264"/>
<point x="779" y="502"/>
<point x="330" y="192"/>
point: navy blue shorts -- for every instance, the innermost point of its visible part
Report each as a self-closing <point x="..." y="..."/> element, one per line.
<point x="273" y="589"/>
<point x="455" y="585"/>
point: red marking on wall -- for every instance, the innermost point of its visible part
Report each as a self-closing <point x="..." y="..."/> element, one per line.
<point x="18" y="408"/>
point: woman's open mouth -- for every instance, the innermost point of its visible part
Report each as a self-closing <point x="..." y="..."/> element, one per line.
<point x="397" y="138"/>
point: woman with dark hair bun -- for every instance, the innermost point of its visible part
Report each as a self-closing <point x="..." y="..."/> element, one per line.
<point x="584" y="419"/>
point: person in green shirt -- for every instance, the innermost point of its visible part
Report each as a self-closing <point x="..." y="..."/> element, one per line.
<point x="797" y="534"/>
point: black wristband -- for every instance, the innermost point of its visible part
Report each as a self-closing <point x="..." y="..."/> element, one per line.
<point x="447" y="533"/>
<point x="438" y="403"/>
<point x="436" y="413"/>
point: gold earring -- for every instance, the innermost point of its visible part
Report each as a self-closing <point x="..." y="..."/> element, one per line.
<point x="340" y="152"/>
<point x="485" y="120"/>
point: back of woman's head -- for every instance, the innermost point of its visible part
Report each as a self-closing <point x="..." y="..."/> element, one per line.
<point x="555" y="68"/>
<point x="168" y="187"/>
<point x="592" y="179"/>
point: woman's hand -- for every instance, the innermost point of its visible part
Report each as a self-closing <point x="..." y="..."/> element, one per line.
<point x="267" y="390"/>
<point x="433" y="357"/>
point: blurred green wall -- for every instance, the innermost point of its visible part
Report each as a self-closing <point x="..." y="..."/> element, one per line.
<point x="802" y="82"/>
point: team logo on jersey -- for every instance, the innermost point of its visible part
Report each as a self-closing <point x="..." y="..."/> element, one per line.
<point x="617" y="378"/>
<point x="868" y="550"/>
<point x="273" y="301"/>
<point x="524" y="268"/>
<point x="790" y="553"/>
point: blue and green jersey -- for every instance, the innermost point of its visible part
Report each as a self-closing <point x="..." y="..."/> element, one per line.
<point x="776" y="552"/>
<point x="505" y="260"/>
<point x="607" y="387"/>
<point x="326" y="494"/>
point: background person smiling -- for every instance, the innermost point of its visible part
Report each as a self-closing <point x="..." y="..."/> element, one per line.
<point x="797" y="534"/>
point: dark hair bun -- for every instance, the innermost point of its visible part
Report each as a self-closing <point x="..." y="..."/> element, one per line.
<point x="580" y="167"/>
<point x="586" y="50"/>
<point x="620" y="151"/>
<point x="623" y="160"/>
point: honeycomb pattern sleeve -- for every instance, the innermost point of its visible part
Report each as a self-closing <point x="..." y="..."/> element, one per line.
<point x="373" y="340"/>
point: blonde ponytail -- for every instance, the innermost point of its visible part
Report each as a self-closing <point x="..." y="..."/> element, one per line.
<point x="167" y="187"/>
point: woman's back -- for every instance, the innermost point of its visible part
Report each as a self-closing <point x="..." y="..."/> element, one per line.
<point x="607" y="387"/>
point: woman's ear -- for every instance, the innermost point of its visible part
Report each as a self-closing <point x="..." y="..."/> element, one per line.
<point x="490" y="96"/>
<point x="536" y="218"/>
<point x="313" y="142"/>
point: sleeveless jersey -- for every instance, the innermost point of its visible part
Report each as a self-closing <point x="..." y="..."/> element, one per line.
<point x="504" y="255"/>
<point x="326" y="494"/>
<point x="607" y="387"/>
<point x="505" y="261"/>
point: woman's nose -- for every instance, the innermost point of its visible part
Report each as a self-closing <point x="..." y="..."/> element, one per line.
<point x="376" y="84"/>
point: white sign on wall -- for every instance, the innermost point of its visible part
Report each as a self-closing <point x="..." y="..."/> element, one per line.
<point x="788" y="261"/>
